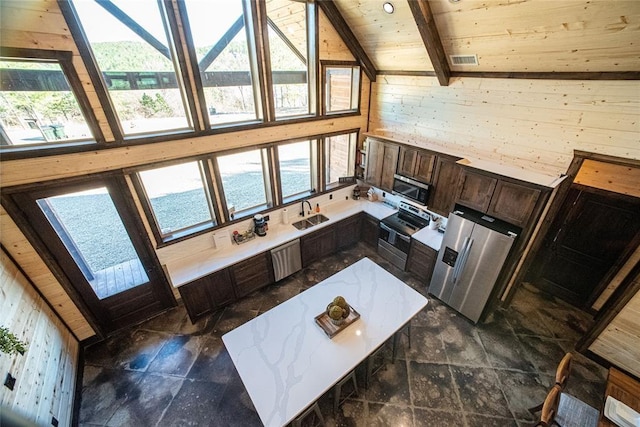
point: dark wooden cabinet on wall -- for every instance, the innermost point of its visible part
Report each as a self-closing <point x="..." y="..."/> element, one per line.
<point x="382" y="158"/>
<point x="369" y="230"/>
<point x="252" y="274"/>
<point x="422" y="261"/>
<point x="446" y="178"/>
<point x="415" y="163"/>
<point x="207" y="294"/>
<point x="348" y="232"/>
<point x="500" y="198"/>
<point x="318" y="245"/>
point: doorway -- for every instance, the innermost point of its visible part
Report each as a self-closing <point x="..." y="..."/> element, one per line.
<point x="91" y="233"/>
<point x="591" y="231"/>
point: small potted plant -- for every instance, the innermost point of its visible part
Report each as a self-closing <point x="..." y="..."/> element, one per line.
<point x="9" y="343"/>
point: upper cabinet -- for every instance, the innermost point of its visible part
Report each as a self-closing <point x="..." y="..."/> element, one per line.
<point x="382" y="158"/>
<point x="415" y="163"/>
<point x="446" y="177"/>
<point x="501" y="198"/>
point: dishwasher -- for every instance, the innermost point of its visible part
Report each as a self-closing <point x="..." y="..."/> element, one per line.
<point x="286" y="259"/>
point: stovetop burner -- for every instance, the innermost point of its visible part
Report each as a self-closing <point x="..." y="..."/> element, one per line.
<point x="408" y="220"/>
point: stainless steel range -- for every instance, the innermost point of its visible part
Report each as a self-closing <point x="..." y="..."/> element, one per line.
<point x="394" y="236"/>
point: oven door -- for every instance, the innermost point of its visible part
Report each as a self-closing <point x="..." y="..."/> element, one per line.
<point x="393" y="246"/>
<point x="412" y="190"/>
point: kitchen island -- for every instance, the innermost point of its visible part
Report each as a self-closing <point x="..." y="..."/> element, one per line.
<point x="286" y="361"/>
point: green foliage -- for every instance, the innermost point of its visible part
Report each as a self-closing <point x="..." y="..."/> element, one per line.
<point x="157" y="107"/>
<point x="9" y="343"/>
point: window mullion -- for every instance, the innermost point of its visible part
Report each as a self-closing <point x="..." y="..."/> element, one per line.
<point x="264" y="60"/>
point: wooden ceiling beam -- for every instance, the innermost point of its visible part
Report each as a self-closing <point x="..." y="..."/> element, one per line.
<point x="431" y="39"/>
<point x="332" y="12"/>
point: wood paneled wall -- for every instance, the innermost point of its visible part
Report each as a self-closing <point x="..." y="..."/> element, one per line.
<point x="610" y="177"/>
<point x="32" y="264"/>
<point x="530" y="124"/>
<point x="46" y="373"/>
<point x="619" y="343"/>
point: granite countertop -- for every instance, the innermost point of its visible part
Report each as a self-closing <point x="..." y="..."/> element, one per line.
<point x="208" y="261"/>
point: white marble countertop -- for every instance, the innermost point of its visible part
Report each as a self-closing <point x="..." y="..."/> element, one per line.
<point x="208" y="261"/>
<point x="429" y="237"/>
<point x="285" y="359"/>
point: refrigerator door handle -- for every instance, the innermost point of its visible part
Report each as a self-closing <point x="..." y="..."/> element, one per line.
<point x="464" y="255"/>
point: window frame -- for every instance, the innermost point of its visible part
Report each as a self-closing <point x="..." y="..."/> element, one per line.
<point x="162" y="239"/>
<point x="314" y="170"/>
<point x="64" y="60"/>
<point x="96" y="75"/>
<point x="267" y="159"/>
<point x="255" y="65"/>
<point x="354" y="90"/>
<point x="355" y="134"/>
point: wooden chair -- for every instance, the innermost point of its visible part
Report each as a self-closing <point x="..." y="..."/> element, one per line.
<point x="562" y="376"/>
<point x="550" y="407"/>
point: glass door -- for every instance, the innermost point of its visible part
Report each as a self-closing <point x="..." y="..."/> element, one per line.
<point x="91" y="231"/>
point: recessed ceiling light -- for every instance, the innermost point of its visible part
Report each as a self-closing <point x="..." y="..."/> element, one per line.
<point x="388" y="7"/>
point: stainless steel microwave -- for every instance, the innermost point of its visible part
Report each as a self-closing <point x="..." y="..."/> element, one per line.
<point x="411" y="189"/>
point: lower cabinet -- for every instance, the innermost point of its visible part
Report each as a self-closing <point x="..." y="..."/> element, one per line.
<point x="207" y="294"/>
<point x="422" y="260"/>
<point x="348" y="232"/>
<point x="251" y="274"/>
<point x="369" y="230"/>
<point x="318" y="245"/>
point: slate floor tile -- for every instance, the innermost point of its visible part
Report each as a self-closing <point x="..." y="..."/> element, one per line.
<point x="180" y="373"/>
<point x="480" y="391"/>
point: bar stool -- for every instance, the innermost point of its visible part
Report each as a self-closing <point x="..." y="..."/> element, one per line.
<point x="311" y="410"/>
<point x="371" y="368"/>
<point x="337" y="390"/>
<point x="396" y="339"/>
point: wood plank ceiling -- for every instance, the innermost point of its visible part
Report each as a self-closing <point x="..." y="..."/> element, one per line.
<point x="508" y="36"/>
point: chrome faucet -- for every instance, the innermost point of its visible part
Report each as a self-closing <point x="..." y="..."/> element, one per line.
<point x="302" y="208"/>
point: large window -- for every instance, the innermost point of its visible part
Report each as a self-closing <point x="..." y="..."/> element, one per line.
<point x="37" y="105"/>
<point x="296" y="163"/>
<point x="339" y="155"/>
<point x="226" y="60"/>
<point x="341" y="88"/>
<point x="131" y="46"/>
<point x="178" y="196"/>
<point x="292" y="60"/>
<point x="246" y="182"/>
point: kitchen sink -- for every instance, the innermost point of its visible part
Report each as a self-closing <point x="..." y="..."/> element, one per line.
<point x="303" y="224"/>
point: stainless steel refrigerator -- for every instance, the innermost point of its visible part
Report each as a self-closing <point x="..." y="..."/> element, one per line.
<point x="474" y="249"/>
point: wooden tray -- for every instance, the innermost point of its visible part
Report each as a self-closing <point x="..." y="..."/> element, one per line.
<point x="329" y="328"/>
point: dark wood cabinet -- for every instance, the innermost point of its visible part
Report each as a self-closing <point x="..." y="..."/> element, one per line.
<point x="475" y="190"/>
<point x="207" y="294"/>
<point x="382" y="158"/>
<point x="421" y="261"/>
<point x="446" y="178"/>
<point x="317" y="245"/>
<point x="369" y="230"/>
<point x="251" y="274"/>
<point x="348" y="232"/>
<point x="499" y="198"/>
<point x="416" y="163"/>
<point x="513" y="202"/>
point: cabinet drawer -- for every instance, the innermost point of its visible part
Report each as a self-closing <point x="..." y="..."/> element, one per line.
<point x="252" y="274"/>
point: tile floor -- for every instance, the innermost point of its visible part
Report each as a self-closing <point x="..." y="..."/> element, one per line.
<point x="169" y="372"/>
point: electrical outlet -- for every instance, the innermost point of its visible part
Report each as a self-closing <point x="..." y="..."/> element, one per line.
<point x="54" y="421"/>
<point x="346" y="197"/>
<point x="330" y="196"/>
<point x="266" y="217"/>
<point x="9" y="382"/>
<point x="384" y="194"/>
